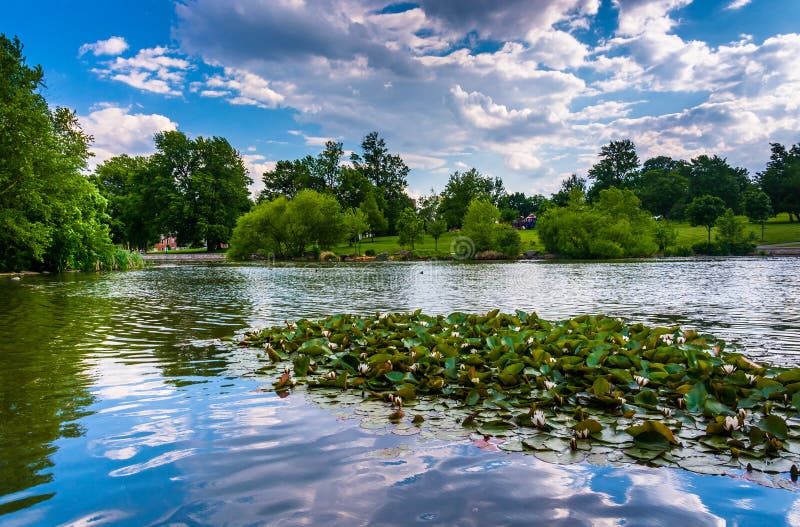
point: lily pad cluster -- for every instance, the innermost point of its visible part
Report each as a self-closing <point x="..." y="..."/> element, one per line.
<point x="590" y="387"/>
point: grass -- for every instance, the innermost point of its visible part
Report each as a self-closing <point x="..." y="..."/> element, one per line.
<point x="425" y="246"/>
<point x="777" y="230"/>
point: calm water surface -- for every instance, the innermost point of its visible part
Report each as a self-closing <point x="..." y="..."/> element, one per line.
<point x="117" y="407"/>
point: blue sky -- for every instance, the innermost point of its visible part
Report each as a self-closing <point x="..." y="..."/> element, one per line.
<point x="528" y="90"/>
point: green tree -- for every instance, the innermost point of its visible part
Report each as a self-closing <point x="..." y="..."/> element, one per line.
<point x="285" y="228"/>
<point x="570" y="187"/>
<point x="463" y="188"/>
<point x="757" y="207"/>
<point x="731" y="234"/>
<point x="704" y="210"/>
<point x="51" y="215"/>
<point x="387" y="172"/>
<point x="210" y="187"/>
<point x="664" y="234"/>
<point x="355" y="224"/>
<point x="287" y="179"/>
<point x="618" y="167"/>
<point x="409" y="227"/>
<point x="479" y="224"/>
<point x="713" y="176"/>
<point x="436" y="228"/>
<point x="781" y="180"/>
<point x="614" y="226"/>
<point x="375" y="218"/>
<point x="326" y="165"/>
<point x="664" y="192"/>
<point x="352" y="188"/>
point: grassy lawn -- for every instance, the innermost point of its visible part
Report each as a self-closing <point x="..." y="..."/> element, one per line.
<point x="187" y="251"/>
<point x="425" y="247"/>
<point x="778" y="230"/>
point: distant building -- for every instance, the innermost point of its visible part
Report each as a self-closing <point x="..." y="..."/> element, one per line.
<point x="167" y="243"/>
<point x="525" y="222"/>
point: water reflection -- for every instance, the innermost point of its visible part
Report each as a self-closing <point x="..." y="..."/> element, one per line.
<point x="111" y="382"/>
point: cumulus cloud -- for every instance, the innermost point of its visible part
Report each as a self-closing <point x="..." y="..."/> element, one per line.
<point x="116" y="130"/>
<point x="111" y="46"/>
<point x="158" y="70"/>
<point x="526" y="90"/>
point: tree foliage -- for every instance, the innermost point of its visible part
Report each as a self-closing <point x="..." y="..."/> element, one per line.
<point x="757" y="207"/>
<point x="51" y="215"/>
<point x="704" y="210"/>
<point x="285" y="228"/>
<point x="463" y="188"/>
<point x="409" y="227"/>
<point x="618" y="167"/>
<point x="613" y="227"/>
<point x="781" y="180"/>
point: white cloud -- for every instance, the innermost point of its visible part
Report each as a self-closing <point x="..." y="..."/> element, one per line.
<point x="250" y="89"/>
<point x="111" y="46"/>
<point x="738" y="4"/>
<point x="118" y="131"/>
<point x="256" y="165"/>
<point x="158" y="70"/>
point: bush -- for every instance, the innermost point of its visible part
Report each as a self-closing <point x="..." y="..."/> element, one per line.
<point x="507" y="240"/>
<point x="731" y="235"/>
<point x="708" y="249"/>
<point x="614" y="227"/>
<point x="370" y="252"/>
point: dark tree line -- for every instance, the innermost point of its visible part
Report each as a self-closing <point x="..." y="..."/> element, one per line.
<point x="192" y="188"/>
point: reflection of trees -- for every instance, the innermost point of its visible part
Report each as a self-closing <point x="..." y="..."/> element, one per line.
<point x="43" y="384"/>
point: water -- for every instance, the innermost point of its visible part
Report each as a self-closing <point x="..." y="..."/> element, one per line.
<point x="117" y="407"/>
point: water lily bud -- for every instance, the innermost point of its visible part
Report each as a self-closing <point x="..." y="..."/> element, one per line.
<point x="750" y="378"/>
<point x="667" y="412"/>
<point x="641" y="381"/>
<point x="731" y="423"/>
<point x="549" y="385"/>
<point x="363" y="355"/>
<point x="331" y="375"/>
<point x="573" y="444"/>
<point x="475" y="380"/>
<point x="728" y="369"/>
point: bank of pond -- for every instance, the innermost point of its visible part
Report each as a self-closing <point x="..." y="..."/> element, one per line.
<point x="589" y="388"/>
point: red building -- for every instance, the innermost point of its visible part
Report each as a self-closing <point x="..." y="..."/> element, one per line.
<point x="167" y="243"/>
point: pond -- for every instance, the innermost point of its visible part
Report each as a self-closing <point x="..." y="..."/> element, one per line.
<point x="119" y="404"/>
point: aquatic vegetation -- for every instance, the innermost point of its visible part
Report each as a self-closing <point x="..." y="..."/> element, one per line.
<point x="588" y="388"/>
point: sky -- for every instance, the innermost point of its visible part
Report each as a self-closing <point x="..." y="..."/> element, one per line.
<point x="528" y="90"/>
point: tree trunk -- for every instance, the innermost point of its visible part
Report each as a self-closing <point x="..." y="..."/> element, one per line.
<point x="709" y="234"/>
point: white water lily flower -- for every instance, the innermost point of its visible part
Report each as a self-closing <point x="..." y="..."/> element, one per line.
<point x="363" y="368"/>
<point x="326" y="333"/>
<point x="625" y="338"/>
<point x="333" y="345"/>
<point x="398" y="401"/>
<point x="455" y="334"/>
<point x="549" y="385"/>
<point x="436" y="355"/>
<point x="621" y="400"/>
<point x="667" y="412"/>
<point x="742" y="414"/>
<point x="531" y="340"/>
<point x="473" y="351"/>
<point x="538" y="418"/>
<point x="681" y="339"/>
<point x="423" y="324"/>
<point x="475" y="380"/>
<point x="552" y="360"/>
<point x="414" y="367"/>
<point x="641" y="381"/>
<point x="464" y="345"/>
<point x="731" y="423"/>
<point x="462" y="367"/>
<point x="514" y="328"/>
<point x="363" y="355"/>
<point x="583" y="433"/>
<point x="751" y="378"/>
<point x="728" y="368"/>
<point x="331" y="375"/>
<point x="412" y="354"/>
<point x="564" y="350"/>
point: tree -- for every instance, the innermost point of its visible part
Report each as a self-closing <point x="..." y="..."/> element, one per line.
<point x="387" y="172"/>
<point x="436" y="228"/>
<point x="375" y="218"/>
<point x="570" y="187"/>
<point x="663" y="192"/>
<point x="618" y="167"/>
<point x="731" y="234"/>
<point x="51" y="216"/>
<point x="133" y="196"/>
<point x="352" y="187"/>
<point x="287" y="179"/>
<point x="479" y="224"/>
<point x="210" y="187"/>
<point x="781" y="180"/>
<point x="713" y="176"/>
<point x="326" y="165"/>
<point x="463" y="188"/>
<point x="757" y="207"/>
<point x="664" y="234"/>
<point x="614" y="226"/>
<point x="409" y="226"/>
<point x="285" y="228"/>
<point x="355" y="224"/>
<point x="704" y="210"/>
